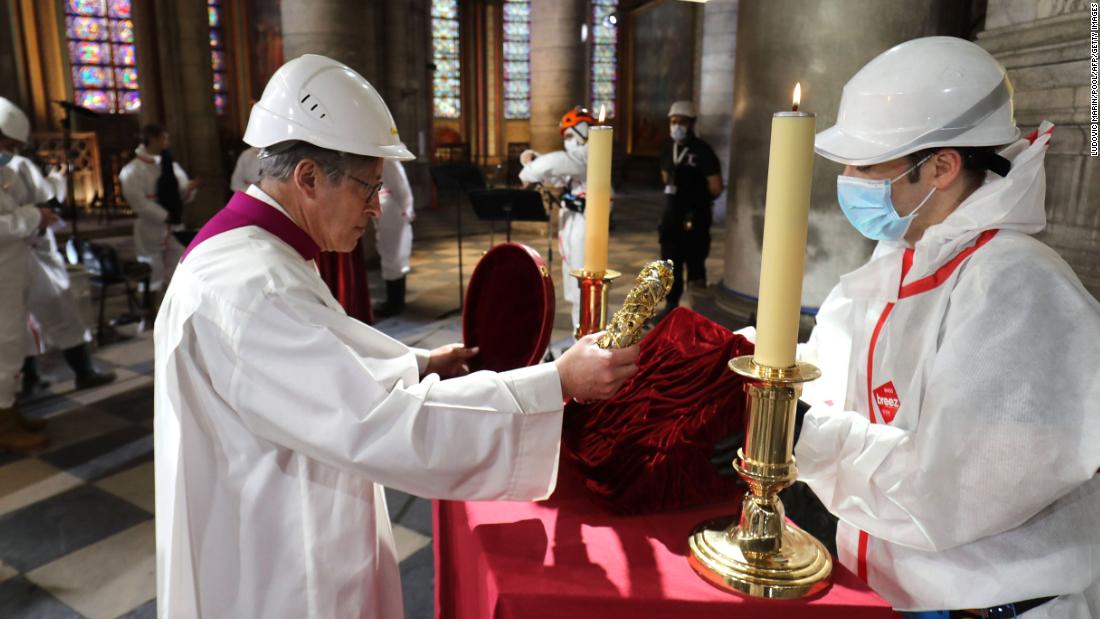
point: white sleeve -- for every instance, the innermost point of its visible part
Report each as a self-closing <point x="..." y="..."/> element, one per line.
<point x="397" y="182"/>
<point x="481" y="436"/>
<point x="143" y="206"/>
<point x="20" y="222"/>
<point x="1009" y="420"/>
<point x="239" y="180"/>
<point x="183" y="179"/>
<point x="38" y="188"/>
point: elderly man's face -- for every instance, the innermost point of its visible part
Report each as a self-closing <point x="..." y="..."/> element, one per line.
<point x="344" y="204"/>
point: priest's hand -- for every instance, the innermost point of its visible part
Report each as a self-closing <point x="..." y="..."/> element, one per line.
<point x="589" y="372"/>
<point x="450" y="360"/>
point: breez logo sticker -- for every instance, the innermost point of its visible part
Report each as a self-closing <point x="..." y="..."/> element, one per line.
<point x="887" y="399"/>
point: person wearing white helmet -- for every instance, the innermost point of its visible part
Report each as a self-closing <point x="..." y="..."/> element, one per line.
<point x="692" y="176"/>
<point x="18" y="223"/>
<point x="394" y="235"/>
<point x="247" y="170"/>
<point x="143" y="180"/>
<point x="955" y="431"/>
<point x="279" y="418"/>
<point x="566" y="171"/>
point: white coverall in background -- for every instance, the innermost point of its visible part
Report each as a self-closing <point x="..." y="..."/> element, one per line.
<point x="50" y="302"/>
<point x="17" y="224"/>
<point x="393" y="229"/>
<point x="560" y="170"/>
<point x="963" y="468"/>
<point x="153" y="243"/>
<point x="247" y="170"/>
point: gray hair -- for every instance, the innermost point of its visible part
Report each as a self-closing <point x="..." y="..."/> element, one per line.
<point x="278" y="161"/>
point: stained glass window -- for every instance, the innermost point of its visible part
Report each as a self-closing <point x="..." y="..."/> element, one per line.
<point x="604" y="55"/>
<point x="217" y="55"/>
<point x="100" y="37"/>
<point x="446" y="82"/>
<point x="517" y="59"/>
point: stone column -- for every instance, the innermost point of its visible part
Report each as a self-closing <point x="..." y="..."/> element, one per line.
<point x="557" y="67"/>
<point x="715" y="124"/>
<point x="821" y="44"/>
<point x="183" y="46"/>
<point x="1045" y="47"/>
<point x="408" y="84"/>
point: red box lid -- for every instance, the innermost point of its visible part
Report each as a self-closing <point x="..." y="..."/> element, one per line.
<point x="509" y="310"/>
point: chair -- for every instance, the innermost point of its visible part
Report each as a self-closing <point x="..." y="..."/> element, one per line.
<point x="106" y="270"/>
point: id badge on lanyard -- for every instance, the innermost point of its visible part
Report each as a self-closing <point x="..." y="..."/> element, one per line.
<point x="677" y="157"/>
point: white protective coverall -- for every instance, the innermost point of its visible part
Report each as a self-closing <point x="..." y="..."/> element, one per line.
<point x="393" y="230"/>
<point x="153" y="242"/>
<point x="247" y="170"/>
<point x="56" y="316"/>
<point x="560" y="170"/>
<point x="278" y="421"/>
<point x="17" y="224"/>
<point x="963" y="469"/>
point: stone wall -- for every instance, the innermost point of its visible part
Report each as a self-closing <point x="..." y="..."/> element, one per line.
<point x="1045" y="47"/>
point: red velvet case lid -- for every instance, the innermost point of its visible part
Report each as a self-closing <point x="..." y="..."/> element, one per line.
<point x="509" y="310"/>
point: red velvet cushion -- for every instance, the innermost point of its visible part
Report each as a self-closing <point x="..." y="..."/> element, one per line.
<point x="648" y="448"/>
<point x="509" y="309"/>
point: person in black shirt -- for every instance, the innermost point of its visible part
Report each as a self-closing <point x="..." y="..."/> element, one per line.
<point x="692" y="176"/>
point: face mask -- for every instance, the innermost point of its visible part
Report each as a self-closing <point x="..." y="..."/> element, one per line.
<point x="869" y="207"/>
<point x="5" y="157"/>
<point x="679" y="132"/>
<point x="577" y="149"/>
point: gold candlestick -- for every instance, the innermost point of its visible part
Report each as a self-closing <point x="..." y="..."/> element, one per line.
<point x="761" y="554"/>
<point x="594" y="290"/>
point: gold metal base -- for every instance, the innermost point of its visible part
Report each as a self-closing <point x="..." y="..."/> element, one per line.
<point x="799" y="569"/>
<point x="594" y="290"/>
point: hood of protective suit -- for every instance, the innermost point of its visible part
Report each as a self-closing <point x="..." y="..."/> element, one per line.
<point x="1014" y="202"/>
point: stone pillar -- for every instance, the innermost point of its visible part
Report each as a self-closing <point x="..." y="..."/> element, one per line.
<point x="715" y="124"/>
<point x="557" y="67"/>
<point x="408" y="84"/>
<point x="820" y="43"/>
<point x="1045" y="47"/>
<point x="183" y="46"/>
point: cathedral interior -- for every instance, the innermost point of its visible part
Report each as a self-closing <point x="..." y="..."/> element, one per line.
<point x="476" y="88"/>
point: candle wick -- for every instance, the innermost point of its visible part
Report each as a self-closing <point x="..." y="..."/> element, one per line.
<point x="794" y="107"/>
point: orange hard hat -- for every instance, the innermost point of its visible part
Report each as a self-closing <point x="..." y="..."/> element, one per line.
<point x="575" y="117"/>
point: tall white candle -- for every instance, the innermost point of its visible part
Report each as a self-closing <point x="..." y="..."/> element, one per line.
<point x="597" y="200"/>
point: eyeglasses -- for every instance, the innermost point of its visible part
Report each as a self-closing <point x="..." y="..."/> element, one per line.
<point x="372" y="188"/>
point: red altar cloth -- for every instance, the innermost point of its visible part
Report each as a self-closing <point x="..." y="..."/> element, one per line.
<point x="346" y="276"/>
<point x="568" y="557"/>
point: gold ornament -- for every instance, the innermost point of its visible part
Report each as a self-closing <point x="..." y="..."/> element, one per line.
<point x="650" y="288"/>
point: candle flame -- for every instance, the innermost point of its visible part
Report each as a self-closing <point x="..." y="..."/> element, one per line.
<point x="603" y="113"/>
<point x="797" y="99"/>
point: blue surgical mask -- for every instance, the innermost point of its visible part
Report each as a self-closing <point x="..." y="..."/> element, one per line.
<point x="5" y="157"/>
<point x="678" y="132"/>
<point x="869" y="206"/>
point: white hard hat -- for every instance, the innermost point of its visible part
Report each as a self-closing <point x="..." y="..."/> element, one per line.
<point x="935" y="91"/>
<point x="324" y="102"/>
<point x="13" y="122"/>
<point x="683" y="108"/>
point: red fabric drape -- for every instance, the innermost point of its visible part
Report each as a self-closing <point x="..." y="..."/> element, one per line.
<point x="346" y="276"/>
<point x="648" y="448"/>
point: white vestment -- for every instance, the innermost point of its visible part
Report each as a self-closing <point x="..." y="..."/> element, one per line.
<point x="393" y="230"/>
<point x="153" y="243"/>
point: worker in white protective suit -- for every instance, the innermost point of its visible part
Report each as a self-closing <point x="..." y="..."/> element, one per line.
<point x="18" y="222"/>
<point x="55" y="320"/>
<point x="955" y="431"/>
<point x="247" y="170"/>
<point x="279" y="418"/>
<point x="394" y="235"/>
<point x="566" y="170"/>
<point x="153" y="242"/>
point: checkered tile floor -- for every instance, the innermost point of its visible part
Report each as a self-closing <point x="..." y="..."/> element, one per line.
<point x="76" y="521"/>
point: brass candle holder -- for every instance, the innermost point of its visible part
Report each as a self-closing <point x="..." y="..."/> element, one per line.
<point x="594" y="290"/>
<point x="761" y="554"/>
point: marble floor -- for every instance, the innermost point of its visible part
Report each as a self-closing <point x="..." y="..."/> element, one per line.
<point x="77" y="520"/>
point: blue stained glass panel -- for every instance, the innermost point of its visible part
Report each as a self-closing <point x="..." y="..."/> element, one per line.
<point x="89" y="52"/>
<point x="216" y="39"/>
<point x="86" y="28"/>
<point x="217" y="60"/>
<point x="93" y="8"/>
<point x="124" y="55"/>
<point x="100" y="100"/>
<point x="126" y="78"/>
<point x="85" y="76"/>
<point x="219" y="81"/>
<point x="122" y="31"/>
<point x="130" y="101"/>
<point x="213" y="17"/>
<point x="120" y="8"/>
<point x="221" y="103"/>
<point x="445" y="8"/>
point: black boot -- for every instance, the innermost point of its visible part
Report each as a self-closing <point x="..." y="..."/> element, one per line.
<point x="32" y="382"/>
<point x="395" y="299"/>
<point x="79" y="359"/>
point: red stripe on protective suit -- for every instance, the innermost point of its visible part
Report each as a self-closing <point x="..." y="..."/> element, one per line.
<point x="923" y="284"/>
